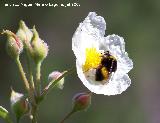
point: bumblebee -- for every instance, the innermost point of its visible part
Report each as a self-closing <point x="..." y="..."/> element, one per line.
<point x="107" y="66"/>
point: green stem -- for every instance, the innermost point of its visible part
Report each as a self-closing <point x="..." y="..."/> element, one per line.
<point x="31" y="82"/>
<point x="22" y="73"/>
<point x="38" y="78"/>
<point x="27" y="86"/>
<point x="67" y="116"/>
<point x="34" y="114"/>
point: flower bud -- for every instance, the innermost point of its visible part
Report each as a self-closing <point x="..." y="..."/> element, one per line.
<point x="19" y="104"/>
<point x="55" y="75"/>
<point x="24" y="33"/>
<point x="14" y="45"/>
<point x="39" y="47"/>
<point x="81" y="101"/>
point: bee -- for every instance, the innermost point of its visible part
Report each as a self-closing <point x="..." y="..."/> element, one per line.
<point x="107" y="65"/>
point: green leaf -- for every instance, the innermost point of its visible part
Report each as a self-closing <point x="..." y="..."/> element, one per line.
<point x="5" y="115"/>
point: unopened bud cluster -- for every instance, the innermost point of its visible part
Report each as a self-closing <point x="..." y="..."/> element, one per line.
<point x="29" y="38"/>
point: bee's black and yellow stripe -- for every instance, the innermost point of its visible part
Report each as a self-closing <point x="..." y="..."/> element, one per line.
<point x="107" y="66"/>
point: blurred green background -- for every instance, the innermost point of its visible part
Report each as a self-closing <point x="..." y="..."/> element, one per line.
<point x="138" y="21"/>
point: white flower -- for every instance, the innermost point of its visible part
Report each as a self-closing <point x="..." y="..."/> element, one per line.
<point x="91" y="48"/>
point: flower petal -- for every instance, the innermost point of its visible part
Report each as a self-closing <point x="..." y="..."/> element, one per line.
<point x="89" y="33"/>
<point x="116" y="85"/>
<point x="116" y="46"/>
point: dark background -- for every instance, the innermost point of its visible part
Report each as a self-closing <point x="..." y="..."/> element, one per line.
<point x="138" y="21"/>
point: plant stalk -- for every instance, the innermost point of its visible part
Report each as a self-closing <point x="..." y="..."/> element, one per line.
<point x="67" y="116"/>
<point x="38" y="79"/>
<point x="29" y="90"/>
<point x="31" y="82"/>
<point x="22" y="73"/>
<point x="34" y="114"/>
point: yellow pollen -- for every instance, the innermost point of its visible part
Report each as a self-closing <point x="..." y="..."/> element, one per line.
<point x="93" y="59"/>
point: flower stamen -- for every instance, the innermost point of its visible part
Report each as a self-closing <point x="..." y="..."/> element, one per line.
<point x="93" y="59"/>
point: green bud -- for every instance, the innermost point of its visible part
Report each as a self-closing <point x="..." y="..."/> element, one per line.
<point x="19" y="104"/>
<point x="14" y="45"/>
<point x="24" y="33"/>
<point x="5" y="115"/>
<point x="3" y="112"/>
<point x="39" y="48"/>
<point x="81" y="101"/>
<point x="55" y="75"/>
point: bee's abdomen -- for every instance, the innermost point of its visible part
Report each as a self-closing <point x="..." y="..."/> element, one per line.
<point x="99" y="76"/>
<point x="101" y="73"/>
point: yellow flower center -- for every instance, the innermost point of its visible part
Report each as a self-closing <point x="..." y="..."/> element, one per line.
<point x="93" y="59"/>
